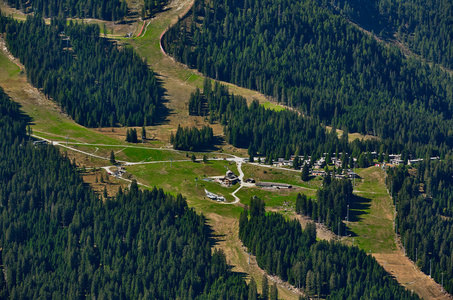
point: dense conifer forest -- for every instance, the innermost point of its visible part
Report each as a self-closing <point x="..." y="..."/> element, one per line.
<point x="329" y="269"/>
<point x="110" y="10"/>
<point x="58" y="239"/>
<point x="267" y="132"/>
<point x="153" y="6"/>
<point x="280" y="134"/>
<point x="424" y="26"/>
<point x="331" y="203"/>
<point x="308" y="58"/>
<point x="192" y="139"/>
<point x="95" y="81"/>
<point x="424" y="216"/>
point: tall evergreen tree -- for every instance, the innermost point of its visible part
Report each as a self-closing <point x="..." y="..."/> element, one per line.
<point x="305" y="175"/>
<point x="112" y="157"/>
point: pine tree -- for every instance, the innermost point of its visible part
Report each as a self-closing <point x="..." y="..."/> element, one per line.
<point x="253" y="294"/>
<point x="305" y="176"/>
<point x="296" y="162"/>
<point x="274" y="292"/>
<point x="128" y="136"/>
<point x="143" y="133"/>
<point x="265" y="288"/>
<point x="134" y="138"/>
<point x="112" y="157"/>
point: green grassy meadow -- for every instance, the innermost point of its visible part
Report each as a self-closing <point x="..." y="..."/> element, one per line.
<point x="180" y="178"/>
<point x="372" y="213"/>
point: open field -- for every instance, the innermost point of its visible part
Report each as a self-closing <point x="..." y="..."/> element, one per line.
<point x="371" y="213"/>
<point x="274" y="198"/>
<point x="289" y="176"/>
<point x="180" y="178"/>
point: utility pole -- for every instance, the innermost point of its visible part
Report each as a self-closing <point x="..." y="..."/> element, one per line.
<point x="346" y="228"/>
<point x="442" y="281"/>
<point x="347" y="216"/>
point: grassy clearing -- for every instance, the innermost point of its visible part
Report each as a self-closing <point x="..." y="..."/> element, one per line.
<point x="180" y="178"/>
<point x="141" y="153"/>
<point x="9" y="11"/>
<point x="353" y="136"/>
<point x="137" y="155"/>
<point x="372" y="213"/>
<point x="273" y="106"/>
<point x="261" y="173"/>
<point x="7" y="68"/>
<point x="274" y="198"/>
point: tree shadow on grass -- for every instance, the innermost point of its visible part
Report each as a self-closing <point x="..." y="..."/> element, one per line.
<point x="357" y="208"/>
<point x="163" y="110"/>
<point x="214" y="240"/>
<point x="217" y="142"/>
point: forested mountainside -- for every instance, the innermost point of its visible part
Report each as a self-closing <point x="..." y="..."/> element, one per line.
<point x="95" y="81"/>
<point x="280" y="134"/>
<point x="58" y="239"/>
<point x="424" y="203"/>
<point x="192" y="139"/>
<point x="151" y="7"/>
<point x="425" y="27"/>
<point x="303" y="55"/>
<point x="322" y="268"/>
<point x="110" y="10"/>
<point x="330" y="207"/>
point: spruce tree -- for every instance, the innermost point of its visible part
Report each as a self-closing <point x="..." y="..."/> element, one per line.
<point x="274" y="292"/>
<point x="143" y="133"/>
<point x="112" y="157"/>
<point x="265" y="288"/>
<point x="305" y="176"/>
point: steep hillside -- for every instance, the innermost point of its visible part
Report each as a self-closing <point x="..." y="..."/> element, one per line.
<point x="306" y="57"/>
<point x="425" y="27"/>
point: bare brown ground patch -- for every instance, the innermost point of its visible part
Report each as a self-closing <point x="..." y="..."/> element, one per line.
<point x="98" y="182"/>
<point x="84" y="161"/>
<point x="410" y="276"/>
<point x="6" y="10"/>
<point x="322" y="232"/>
<point x="353" y="136"/>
